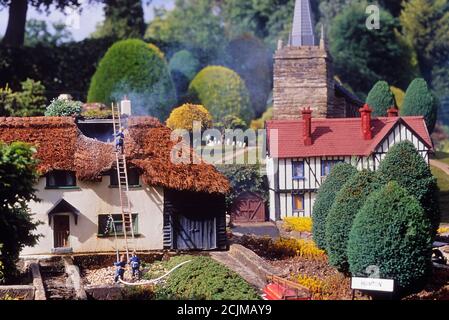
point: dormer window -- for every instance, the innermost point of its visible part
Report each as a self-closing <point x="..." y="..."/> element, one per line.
<point x="298" y="170"/>
<point x="133" y="178"/>
<point x="60" y="179"/>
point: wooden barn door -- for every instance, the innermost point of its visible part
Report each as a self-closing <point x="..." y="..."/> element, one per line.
<point x="195" y="233"/>
<point x="248" y="208"/>
<point x="61" y="227"/>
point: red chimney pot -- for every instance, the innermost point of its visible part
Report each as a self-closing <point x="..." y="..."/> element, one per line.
<point x="393" y="112"/>
<point x="307" y="129"/>
<point x="365" y="114"/>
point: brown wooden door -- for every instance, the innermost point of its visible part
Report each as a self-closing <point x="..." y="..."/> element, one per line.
<point x="248" y="209"/>
<point x="61" y="227"/>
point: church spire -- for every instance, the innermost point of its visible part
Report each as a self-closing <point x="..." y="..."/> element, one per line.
<point x="302" y="30"/>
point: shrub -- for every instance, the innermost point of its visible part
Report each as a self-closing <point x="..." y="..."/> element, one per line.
<point x="260" y="123"/>
<point x="97" y="114"/>
<point x="64" y="108"/>
<point x="325" y="198"/>
<point x="184" y="116"/>
<point x="391" y="232"/>
<point x="28" y="102"/>
<point x="398" y="96"/>
<point x="314" y="284"/>
<point x="347" y="203"/>
<point x="380" y="99"/>
<point x="205" y="279"/>
<point x="222" y="92"/>
<point x="230" y="122"/>
<point x="405" y="165"/>
<point x="297" y="247"/>
<point x="300" y="224"/>
<point x="136" y="69"/>
<point x="419" y="101"/>
<point x="185" y="63"/>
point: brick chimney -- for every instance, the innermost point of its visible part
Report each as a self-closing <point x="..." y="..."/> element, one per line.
<point x="393" y="112"/>
<point x="307" y="129"/>
<point x="365" y="114"/>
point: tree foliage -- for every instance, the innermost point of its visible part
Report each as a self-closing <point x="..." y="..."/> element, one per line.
<point x="249" y="57"/>
<point x="17" y="178"/>
<point x="26" y="103"/>
<point x="362" y="56"/>
<point x="407" y="167"/>
<point x="37" y="32"/>
<point x="339" y="175"/>
<point x="184" y="116"/>
<point x="137" y="70"/>
<point x="419" y="101"/>
<point x="399" y="95"/>
<point x="123" y="19"/>
<point x="183" y="67"/>
<point x="222" y="92"/>
<point x="64" y="108"/>
<point x="391" y="234"/>
<point x="347" y="203"/>
<point x="380" y="99"/>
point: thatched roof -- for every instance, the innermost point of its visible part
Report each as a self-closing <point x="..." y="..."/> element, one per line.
<point x="61" y="146"/>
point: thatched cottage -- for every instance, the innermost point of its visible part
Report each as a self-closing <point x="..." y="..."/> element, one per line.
<point x="175" y="206"/>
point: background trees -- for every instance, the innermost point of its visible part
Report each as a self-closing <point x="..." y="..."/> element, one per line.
<point x="17" y="178"/>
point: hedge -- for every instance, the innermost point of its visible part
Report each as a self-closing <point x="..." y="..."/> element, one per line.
<point x="222" y="92"/>
<point x="325" y="198"/>
<point x="380" y="99"/>
<point x="348" y="202"/>
<point x="405" y="165"/>
<point x="135" y="69"/>
<point x="391" y="233"/>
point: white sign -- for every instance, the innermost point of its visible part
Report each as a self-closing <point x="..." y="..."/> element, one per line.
<point x="372" y="284"/>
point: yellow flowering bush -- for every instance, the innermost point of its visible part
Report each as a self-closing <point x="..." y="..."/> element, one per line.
<point x="443" y="230"/>
<point x="298" y="247"/>
<point x="184" y="116"/>
<point x="315" y="285"/>
<point x="301" y="224"/>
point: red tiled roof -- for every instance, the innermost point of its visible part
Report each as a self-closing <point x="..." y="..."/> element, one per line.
<point x="337" y="137"/>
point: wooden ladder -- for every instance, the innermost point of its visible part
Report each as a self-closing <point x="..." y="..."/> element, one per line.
<point x="123" y="186"/>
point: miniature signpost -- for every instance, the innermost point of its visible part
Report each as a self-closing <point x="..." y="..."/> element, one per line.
<point x="372" y="284"/>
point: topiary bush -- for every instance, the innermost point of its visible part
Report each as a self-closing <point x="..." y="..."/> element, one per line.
<point x="222" y="92"/>
<point x="380" y="99"/>
<point x="405" y="165"/>
<point x="135" y="69"/>
<point x="325" y="198"/>
<point x="348" y="202"/>
<point x="419" y="101"/>
<point x="398" y="96"/>
<point x="184" y="116"/>
<point x="205" y="279"/>
<point x="185" y="63"/>
<point x="391" y="234"/>
<point x="64" y="108"/>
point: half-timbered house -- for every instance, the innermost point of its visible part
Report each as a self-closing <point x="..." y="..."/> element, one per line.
<point x="301" y="153"/>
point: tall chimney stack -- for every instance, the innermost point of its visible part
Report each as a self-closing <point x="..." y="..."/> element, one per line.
<point x="393" y="112"/>
<point x="365" y="114"/>
<point x="307" y="129"/>
<point x="125" y="106"/>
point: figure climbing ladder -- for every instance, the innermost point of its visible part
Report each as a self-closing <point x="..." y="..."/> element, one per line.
<point x="122" y="175"/>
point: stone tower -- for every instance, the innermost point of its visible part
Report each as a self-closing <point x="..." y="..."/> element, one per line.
<point x="303" y="73"/>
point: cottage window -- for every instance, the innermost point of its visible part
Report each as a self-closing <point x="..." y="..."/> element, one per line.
<point x="298" y="170"/>
<point x="107" y="226"/>
<point x="61" y="179"/>
<point x="298" y="202"/>
<point x="327" y="165"/>
<point x="133" y="178"/>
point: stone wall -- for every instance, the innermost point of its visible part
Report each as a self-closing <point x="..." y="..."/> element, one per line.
<point x="17" y="292"/>
<point x="303" y="76"/>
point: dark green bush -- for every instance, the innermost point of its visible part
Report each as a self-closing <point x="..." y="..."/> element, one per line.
<point x="28" y="102"/>
<point x="325" y="198"/>
<point x="348" y="202"/>
<point x="404" y="164"/>
<point x="419" y="101"/>
<point x="64" y="108"/>
<point x="380" y="99"/>
<point x="137" y="70"/>
<point x="205" y="279"/>
<point x="222" y="92"/>
<point x="391" y="234"/>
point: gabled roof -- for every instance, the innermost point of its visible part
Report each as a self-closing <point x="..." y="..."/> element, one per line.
<point x="61" y="146"/>
<point x="62" y="206"/>
<point x="337" y="137"/>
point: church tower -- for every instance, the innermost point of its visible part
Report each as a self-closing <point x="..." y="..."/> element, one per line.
<point x="303" y="74"/>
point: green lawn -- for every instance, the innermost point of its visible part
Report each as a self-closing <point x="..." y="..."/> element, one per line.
<point x="443" y="184"/>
